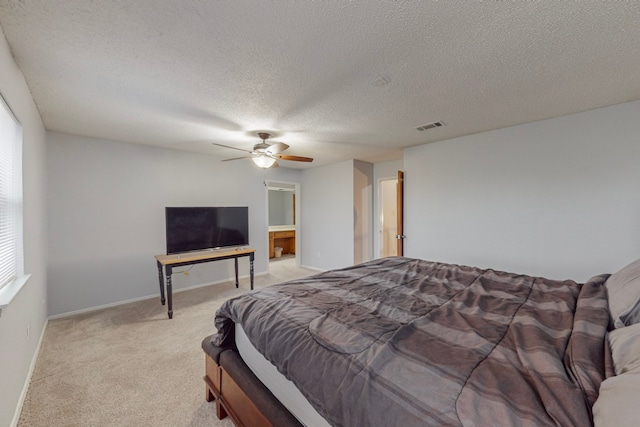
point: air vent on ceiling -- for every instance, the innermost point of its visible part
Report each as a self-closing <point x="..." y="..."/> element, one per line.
<point x="430" y="126"/>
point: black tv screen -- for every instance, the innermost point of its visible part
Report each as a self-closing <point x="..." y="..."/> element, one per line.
<point x="194" y="229"/>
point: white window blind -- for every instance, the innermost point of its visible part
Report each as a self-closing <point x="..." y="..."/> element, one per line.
<point x="11" y="264"/>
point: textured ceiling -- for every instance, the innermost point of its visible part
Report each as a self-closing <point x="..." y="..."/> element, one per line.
<point x="334" y="80"/>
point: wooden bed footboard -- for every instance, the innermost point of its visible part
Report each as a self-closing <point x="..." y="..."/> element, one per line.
<point x="238" y="393"/>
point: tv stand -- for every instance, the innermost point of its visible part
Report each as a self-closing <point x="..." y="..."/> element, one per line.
<point x="190" y="258"/>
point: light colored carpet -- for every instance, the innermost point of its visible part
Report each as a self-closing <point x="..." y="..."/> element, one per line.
<point x="132" y="366"/>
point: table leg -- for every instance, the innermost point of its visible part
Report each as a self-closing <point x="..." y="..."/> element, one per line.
<point x="251" y="269"/>
<point x="161" y="279"/>
<point x="168" y="272"/>
<point x="236" y="263"/>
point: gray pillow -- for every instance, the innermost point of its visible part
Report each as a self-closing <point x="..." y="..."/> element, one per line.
<point x="631" y="316"/>
<point x="623" y="290"/>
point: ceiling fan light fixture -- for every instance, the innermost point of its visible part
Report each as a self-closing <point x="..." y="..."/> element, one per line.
<point x="263" y="161"/>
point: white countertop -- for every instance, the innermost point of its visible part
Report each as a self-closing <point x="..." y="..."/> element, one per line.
<point x="282" y="228"/>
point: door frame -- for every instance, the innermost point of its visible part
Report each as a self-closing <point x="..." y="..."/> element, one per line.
<point x="400" y="213"/>
<point x="297" y="219"/>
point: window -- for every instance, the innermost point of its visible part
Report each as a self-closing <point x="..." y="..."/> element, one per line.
<point x="11" y="257"/>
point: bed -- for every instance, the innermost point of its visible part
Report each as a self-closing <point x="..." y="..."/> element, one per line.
<point x="401" y="341"/>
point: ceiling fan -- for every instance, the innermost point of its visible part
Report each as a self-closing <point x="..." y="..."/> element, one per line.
<point x="265" y="155"/>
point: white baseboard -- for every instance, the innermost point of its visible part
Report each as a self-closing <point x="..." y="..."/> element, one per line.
<point x="175" y="291"/>
<point x="25" y="388"/>
<point x="313" y="268"/>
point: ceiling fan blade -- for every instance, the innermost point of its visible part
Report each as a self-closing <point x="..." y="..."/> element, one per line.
<point x="294" y="158"/>
<point x="236" y="158"/>
<point x="274" y="165"/>
<point x="277" y="147"/>
<point x="233" y="148"/>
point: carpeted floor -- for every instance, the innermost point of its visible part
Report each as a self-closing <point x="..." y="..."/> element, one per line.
<point x="132" y="366"/>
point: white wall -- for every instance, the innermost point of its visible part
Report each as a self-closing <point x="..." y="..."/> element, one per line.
<point x="387" y="169"/>
<point x="383" y="170"/>
<point x="106" y="216"/>
<point x="558" y="198"/>
<point x="362" y="211"/>
<point x="28" y="309"/>
<point x="327" y="216"/>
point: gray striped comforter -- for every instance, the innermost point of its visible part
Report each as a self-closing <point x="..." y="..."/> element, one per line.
<point x="406" y="342"/>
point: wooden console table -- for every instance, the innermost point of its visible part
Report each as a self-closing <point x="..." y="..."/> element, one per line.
<point x="190" y="258"/>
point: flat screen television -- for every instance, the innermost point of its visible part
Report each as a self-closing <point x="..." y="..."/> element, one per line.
<point x="198" y="228"/>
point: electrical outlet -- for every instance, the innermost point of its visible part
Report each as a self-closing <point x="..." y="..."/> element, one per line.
<point x="318" y="255"/>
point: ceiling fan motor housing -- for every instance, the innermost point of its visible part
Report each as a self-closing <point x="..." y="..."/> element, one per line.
<point x="261" y="147"/>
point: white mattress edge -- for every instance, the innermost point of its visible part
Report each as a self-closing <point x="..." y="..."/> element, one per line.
<point x="282" y="388"/>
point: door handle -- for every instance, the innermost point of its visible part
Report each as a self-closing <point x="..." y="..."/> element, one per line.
<point x="400" y="236"/>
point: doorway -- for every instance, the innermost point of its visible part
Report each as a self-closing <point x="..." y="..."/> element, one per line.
<point x="283" y="220"/>
<point x="388" y="217"/>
